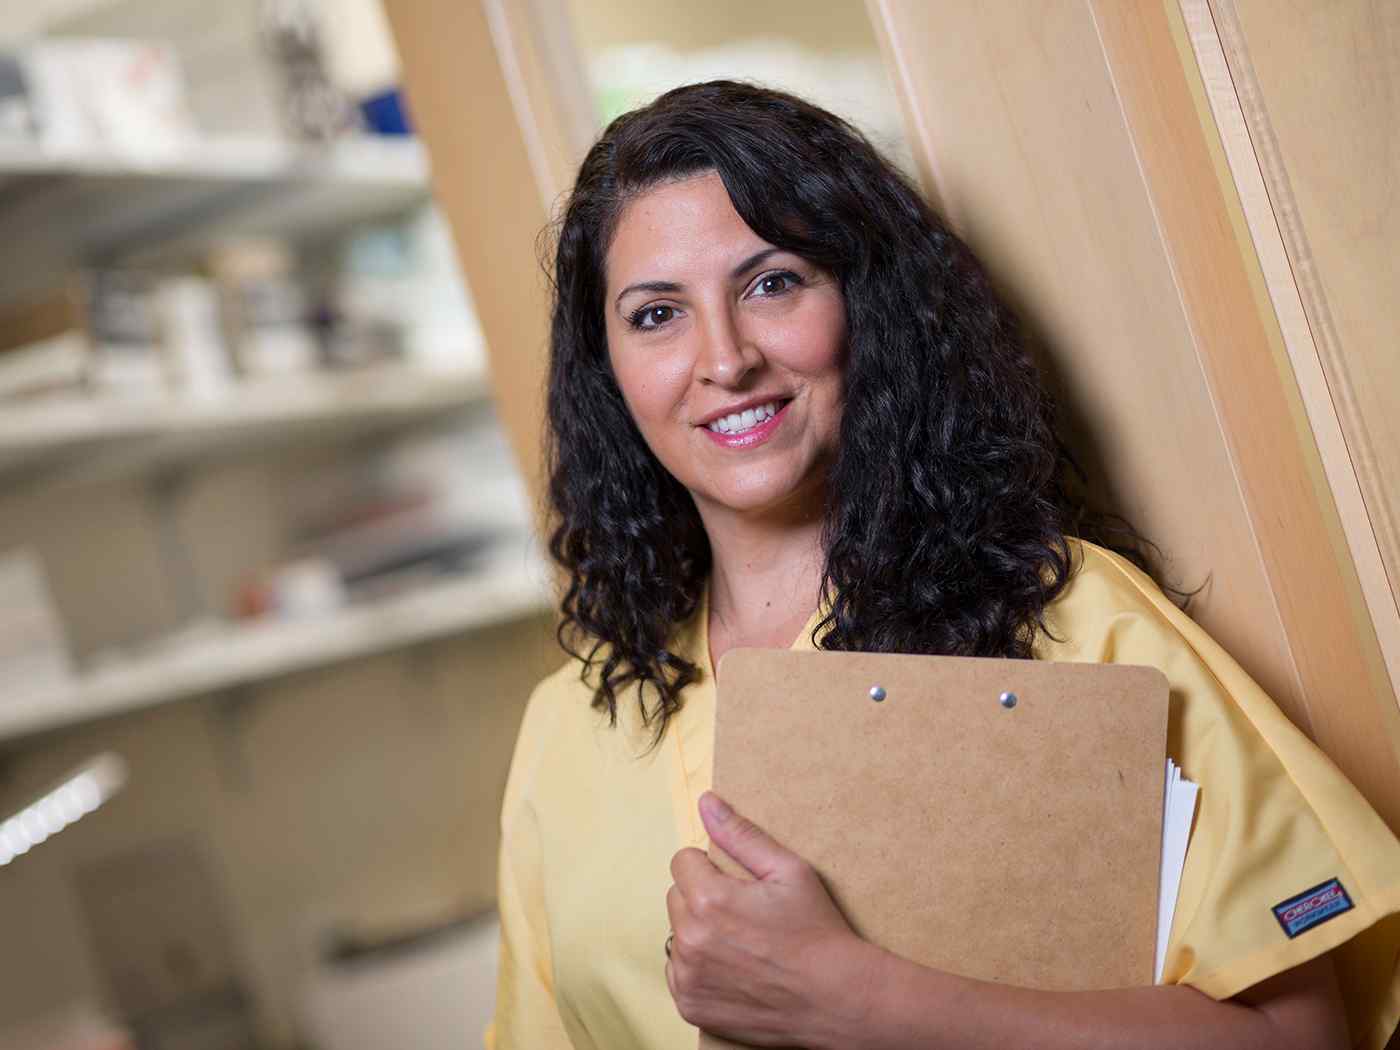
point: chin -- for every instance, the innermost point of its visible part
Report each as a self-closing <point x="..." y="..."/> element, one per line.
<point x="758" y="498"/>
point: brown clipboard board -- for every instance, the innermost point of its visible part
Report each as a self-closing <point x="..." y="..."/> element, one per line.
<point x="1008" y="840"/>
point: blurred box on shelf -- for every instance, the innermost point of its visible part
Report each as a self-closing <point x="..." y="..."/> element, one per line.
<point x="115" y="331"/>
<point x="124" y="333"/>
<point x="16" y="107"/>
<point x="386" y="112"/>
<point x="192" y="331"/>
<point x="404" y="276"/>
<point x="298" y="590"/>
<point x="34" y="653"/>
<point x="367" y="311"/>
<point x="231" y="86"/>
<point x="44" y="344"/>
<point x="431" y="989"/>
<point x="124" y="94"/>
<point x="99" y="331"/>
<point x="425" y="505"/>
<point x="266" y="309"/>
<point x="391" y="547"/>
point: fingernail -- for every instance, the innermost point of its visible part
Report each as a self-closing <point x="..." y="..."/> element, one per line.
<point x="717" y="806"/>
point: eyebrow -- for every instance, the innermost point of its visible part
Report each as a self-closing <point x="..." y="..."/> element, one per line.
<point x="671" y="286"/>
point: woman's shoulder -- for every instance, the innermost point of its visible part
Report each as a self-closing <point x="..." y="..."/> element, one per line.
<point x="563" y="696"/>
<point x="1275" y="822"/>
<point x="1108" y="600"/>
<point x="562" y="718"/>
<point x="555" y="725"/>
<point x="1113" y="612"/>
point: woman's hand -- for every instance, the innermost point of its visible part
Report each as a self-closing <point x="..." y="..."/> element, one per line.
<point x="771" y="962"/>
<point x="768" y="961"/>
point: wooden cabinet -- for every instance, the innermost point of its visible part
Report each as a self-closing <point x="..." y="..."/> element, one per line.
<point x="1128" y="179"/>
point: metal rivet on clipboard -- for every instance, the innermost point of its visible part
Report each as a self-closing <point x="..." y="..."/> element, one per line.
<point x="877" y="693"/>
<point x="1008" y="700"/>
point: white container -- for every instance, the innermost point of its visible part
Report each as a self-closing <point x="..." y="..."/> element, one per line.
<point x="34" y="656"/>
<point x="437" y="996"/>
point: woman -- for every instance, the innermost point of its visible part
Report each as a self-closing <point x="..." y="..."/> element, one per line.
<point x="786" y="409"/>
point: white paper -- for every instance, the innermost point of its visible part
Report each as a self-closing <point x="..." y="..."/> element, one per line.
<point x="1179" y="809"/>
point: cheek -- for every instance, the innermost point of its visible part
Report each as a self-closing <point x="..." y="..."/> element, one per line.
<point x="652" y="384"/>
<point x="817" y="346"/>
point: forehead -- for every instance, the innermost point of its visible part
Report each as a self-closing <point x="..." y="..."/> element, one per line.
<point x="688" y="226"/>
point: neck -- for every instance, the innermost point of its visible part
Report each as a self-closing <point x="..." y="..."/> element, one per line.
<point x="766" y="568"/>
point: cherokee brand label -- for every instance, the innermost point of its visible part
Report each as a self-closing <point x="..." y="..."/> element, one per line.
<point x="1312" y="908"/>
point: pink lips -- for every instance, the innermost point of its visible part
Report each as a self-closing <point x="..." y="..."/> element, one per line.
<point x="751" y="437"/>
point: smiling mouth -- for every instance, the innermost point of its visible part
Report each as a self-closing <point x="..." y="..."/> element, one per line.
<point x="749" y="419"/>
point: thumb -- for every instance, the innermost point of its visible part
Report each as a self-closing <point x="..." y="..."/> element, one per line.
<point x="742" y="839"/>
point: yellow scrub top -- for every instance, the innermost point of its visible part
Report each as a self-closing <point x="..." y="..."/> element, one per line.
<point x="1282" y="842"/>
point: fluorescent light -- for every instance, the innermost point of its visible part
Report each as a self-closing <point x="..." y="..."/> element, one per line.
<point x="81" y="792"/>
<point x="12" y="838"/>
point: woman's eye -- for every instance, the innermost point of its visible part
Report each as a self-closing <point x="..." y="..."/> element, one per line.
<point x="776" y="283"/>
<point x="652" y="316"/>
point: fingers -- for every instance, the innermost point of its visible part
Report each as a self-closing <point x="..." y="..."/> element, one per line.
<point x="676" y="911"/>
<point x="761" y="854"/>
<point x="690" y="866"/>
<point x="701" y="890"/>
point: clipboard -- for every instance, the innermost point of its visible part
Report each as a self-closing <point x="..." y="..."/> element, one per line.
<point x="1001" y="819"/>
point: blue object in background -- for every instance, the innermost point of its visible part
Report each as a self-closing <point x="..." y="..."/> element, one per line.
<point x="385" y="113"/>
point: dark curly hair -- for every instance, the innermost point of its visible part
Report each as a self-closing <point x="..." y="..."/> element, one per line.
<point x="948" y="503"/>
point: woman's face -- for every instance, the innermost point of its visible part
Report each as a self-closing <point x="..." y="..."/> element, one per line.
<point x="729" y="352"/>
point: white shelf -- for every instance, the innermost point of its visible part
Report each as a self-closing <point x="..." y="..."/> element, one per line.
<point x="74" y="206"/>
<point x="382" y="160"/>
<point x="89" y="438"/>
<point x="513" y="586"/>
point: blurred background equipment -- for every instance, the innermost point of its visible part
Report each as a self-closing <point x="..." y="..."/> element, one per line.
<point x="264" y="547"/>
<point x="421" y="988"/>
<point x="158" y="925"/>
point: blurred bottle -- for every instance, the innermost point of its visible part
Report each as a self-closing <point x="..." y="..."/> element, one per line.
<point x="314" y="108"/>
<point x="266" y="310"/>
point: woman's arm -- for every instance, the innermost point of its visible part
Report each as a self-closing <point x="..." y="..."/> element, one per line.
<point x="904" y="1005"/>
<point x="772" y="962"/>
<point x="526" y="1016"/>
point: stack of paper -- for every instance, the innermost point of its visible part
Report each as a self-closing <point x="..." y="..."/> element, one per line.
<point x="1180" y="809"/>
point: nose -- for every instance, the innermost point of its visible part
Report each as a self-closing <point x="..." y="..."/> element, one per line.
<point x="726" y="355"/>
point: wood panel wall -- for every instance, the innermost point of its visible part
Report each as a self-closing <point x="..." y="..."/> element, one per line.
<point x="1072" y="145"/>
<point x="1328" y="144"/>
<point x="1317" y="162"/>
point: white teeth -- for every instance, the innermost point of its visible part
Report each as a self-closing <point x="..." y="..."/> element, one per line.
<point x="746" y="420"/>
